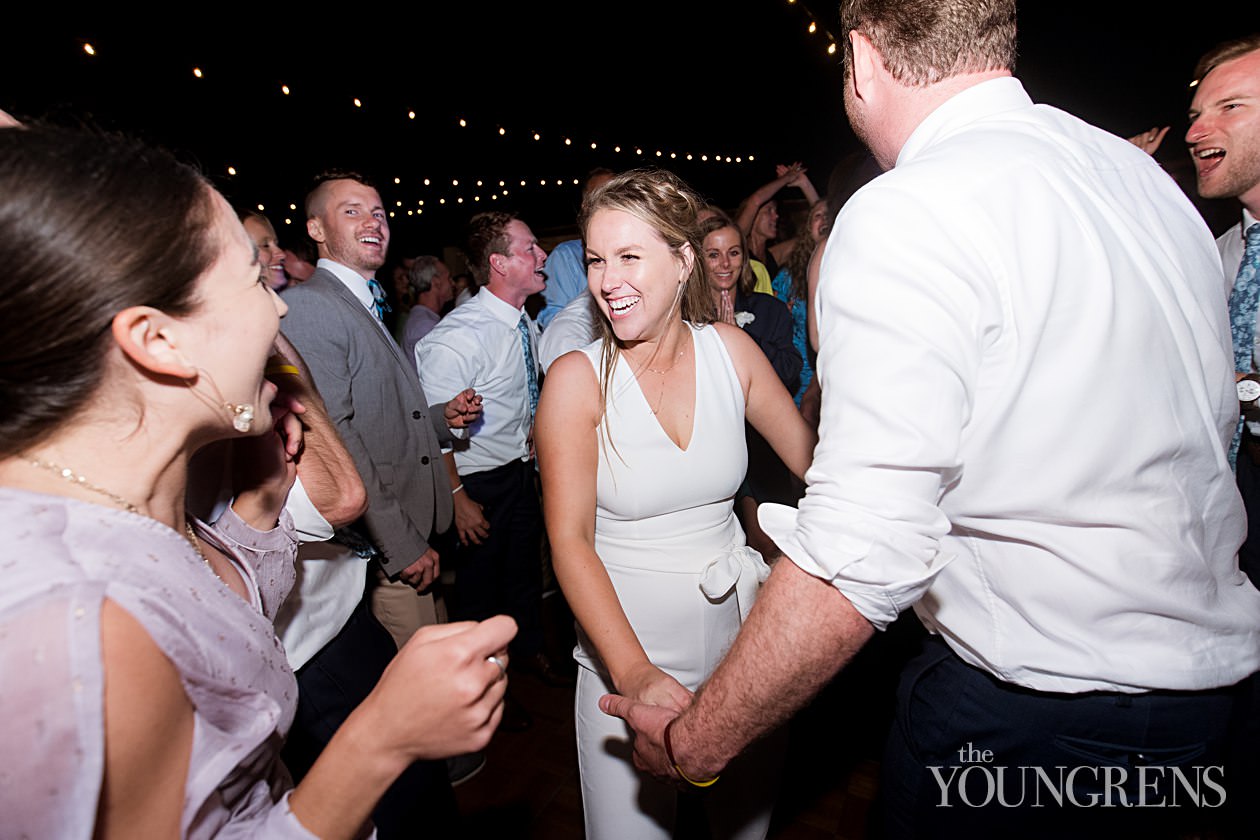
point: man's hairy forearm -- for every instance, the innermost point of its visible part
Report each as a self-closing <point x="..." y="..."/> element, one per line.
<point x="800" y="632"/>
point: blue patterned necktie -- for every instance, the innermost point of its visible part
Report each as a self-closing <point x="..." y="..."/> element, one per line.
<point x="1243" y="302"/>
<point x="531" y="368"/>
<point x="379" y="305"/>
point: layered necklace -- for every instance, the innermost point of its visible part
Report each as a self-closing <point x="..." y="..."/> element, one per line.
<point x="660" y="397"/>
<point x="81" y="481"/>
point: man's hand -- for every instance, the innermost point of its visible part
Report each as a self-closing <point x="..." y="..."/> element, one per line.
<point x="470" y="522"/>
<point x="423" y="572"/>
<point x="648" y="723"/>
<point x="463" y="409"/>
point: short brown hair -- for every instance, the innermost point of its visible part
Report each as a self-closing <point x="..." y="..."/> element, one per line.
<point x="487" y="234"/>
<point x="319" y="189"/>
<point x="1227" y="51"/>
<point x="927" y="41"/>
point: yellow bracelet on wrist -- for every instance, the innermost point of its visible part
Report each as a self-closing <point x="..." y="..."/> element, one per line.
<point x="669" y="753"/>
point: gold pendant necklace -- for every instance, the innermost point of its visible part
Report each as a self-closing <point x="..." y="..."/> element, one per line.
<point x="74" y="478"/>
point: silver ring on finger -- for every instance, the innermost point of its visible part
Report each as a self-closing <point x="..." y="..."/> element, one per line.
<point x="502" y="669"/>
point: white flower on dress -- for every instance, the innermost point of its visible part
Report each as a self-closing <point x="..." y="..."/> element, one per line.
<point x="743" y="319"/>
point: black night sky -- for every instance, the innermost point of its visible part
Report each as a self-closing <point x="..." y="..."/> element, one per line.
<point x="702" y="77"/>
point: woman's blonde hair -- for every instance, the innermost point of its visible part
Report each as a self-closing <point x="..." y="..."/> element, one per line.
<point x="663" y="202"/>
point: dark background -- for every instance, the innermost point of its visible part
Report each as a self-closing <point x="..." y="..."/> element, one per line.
<point x="713" y="78"/>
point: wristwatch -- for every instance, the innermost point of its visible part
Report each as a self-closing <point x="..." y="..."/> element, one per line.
<point x="1248" y="391"/>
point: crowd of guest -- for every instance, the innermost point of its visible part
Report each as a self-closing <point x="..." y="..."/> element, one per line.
<point x="339" y="441"/>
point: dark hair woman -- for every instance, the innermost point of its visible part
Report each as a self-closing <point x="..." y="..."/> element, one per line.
<point x="144" y="691"/>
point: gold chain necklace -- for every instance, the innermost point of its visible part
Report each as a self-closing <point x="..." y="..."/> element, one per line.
<point x="70" y="476"/>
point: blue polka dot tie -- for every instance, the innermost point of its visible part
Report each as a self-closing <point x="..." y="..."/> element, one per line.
<point x="1243" y="303"/>
<point x="531" y="367"/>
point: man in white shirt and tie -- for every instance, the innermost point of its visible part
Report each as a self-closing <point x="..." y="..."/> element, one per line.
<point x="1224" y="142"/>
<point x="490" y="344"/>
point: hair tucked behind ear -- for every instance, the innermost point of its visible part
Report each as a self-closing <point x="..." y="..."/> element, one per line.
<point x="661" y="200"/>
<point x="90" y="224"/>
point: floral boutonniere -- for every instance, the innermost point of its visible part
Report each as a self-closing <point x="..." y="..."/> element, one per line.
<point x="743" y="319"/>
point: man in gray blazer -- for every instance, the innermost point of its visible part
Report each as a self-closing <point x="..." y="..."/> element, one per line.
<point x="394" y="436"/>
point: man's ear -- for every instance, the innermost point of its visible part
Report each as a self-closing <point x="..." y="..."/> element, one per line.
<point x="496" y="263"/>
<point x="867" y="62"/>
<point x="149" y="338"/>
<point x="315" y="230"/>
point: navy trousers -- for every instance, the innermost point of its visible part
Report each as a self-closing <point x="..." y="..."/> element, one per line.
<point x="420" y="803"/>
<point x="972" y="756"/>
<point x="504" y="573"/>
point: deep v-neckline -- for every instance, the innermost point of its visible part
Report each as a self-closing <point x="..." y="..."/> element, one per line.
<point x="695" y="393"/>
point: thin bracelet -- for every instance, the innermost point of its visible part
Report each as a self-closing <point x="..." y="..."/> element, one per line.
<point x="669" y="753"/>
<point x="457" y="489"/>
<point x="273" y="370"/>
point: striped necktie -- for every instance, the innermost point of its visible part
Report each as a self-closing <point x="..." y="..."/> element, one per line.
<point x="531" y="367"/>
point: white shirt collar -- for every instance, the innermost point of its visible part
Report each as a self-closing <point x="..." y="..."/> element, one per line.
<point x="961" y="110"/>
<point x="499" y="308"/>
<point x="352" y="280"/>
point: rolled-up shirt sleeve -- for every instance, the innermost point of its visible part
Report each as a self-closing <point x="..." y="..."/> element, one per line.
<point x="901" y="334"/>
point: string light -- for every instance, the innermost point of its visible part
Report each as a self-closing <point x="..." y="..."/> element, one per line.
<point x="813" y="27"/>
<point x="502" y="131"/>
<point x="261" y="208"/>
<point x="197" y="72"/>
<point x="537" y="136"/>
<point x="397" y="180"/>
<point x="463" y="123"/>
<point x="292" y="206"/>
<point x="89" y="49"/>
<point x="357" y="103"/>
<point x="231" y="170"/>
<point x="411" y="115"/>
<point x="284" y="89"/>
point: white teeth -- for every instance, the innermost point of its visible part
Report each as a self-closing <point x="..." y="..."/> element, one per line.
<point x="1204" y="154"/>
<point x="373" y="240"/>
<point x="622" y="304"/>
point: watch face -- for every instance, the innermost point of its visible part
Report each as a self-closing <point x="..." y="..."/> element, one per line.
<point x="1248" y="390"/>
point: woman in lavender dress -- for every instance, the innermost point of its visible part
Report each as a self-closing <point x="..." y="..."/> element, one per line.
<point x="143" y="692"/>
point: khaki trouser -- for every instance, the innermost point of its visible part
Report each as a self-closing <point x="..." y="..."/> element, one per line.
<point x="402" y="610"/>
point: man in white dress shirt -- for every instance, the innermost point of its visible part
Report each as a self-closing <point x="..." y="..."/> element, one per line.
<point x="1224" y="142"/>
<point x="1027" y="397"/>
<point x="490" y="344"/>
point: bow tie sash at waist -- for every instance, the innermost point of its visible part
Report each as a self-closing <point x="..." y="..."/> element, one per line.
<point x="740" y="569"/>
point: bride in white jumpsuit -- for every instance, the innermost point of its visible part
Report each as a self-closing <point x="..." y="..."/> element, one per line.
<point x="641" y="447"/>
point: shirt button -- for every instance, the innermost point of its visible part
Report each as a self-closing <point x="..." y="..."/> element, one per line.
<point x="415" y="415"/>
<point x="424" y="459"/>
